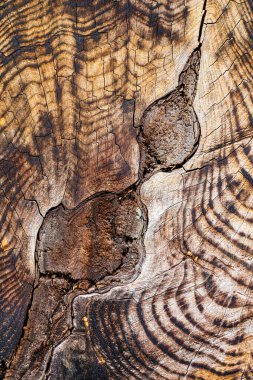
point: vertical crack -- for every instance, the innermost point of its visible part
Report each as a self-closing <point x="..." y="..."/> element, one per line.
<point x="204" y="11"/>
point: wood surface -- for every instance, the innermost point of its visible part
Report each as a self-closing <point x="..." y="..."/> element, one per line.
<point x="126" y="177"/>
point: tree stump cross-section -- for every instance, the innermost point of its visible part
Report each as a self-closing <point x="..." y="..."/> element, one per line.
<point x="126" y="177"/>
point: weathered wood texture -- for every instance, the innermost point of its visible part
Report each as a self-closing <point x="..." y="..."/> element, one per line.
<point x="126" y="189"/>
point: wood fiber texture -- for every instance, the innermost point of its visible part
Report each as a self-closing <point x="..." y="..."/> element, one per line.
<point x="126" y="189"/>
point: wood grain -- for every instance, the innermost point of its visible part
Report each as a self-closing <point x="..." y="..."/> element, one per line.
<point x="126" y="189"/>
<point x="193" y="320"/>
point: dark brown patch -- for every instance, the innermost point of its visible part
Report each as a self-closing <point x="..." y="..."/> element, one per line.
<point x="169" y="127"/>
<point x="91" y="241"/>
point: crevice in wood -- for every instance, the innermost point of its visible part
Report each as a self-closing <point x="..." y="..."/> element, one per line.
<point x="202" y="20"/>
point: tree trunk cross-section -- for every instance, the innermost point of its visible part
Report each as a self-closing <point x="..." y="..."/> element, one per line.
<point x="126" y="189"/>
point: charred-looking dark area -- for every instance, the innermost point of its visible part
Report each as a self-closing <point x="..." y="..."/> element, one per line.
<point x="92" y="241"/>
<point x="169" y="127"/>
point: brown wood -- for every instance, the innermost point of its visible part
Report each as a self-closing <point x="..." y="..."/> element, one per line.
<point x="126" y="190"/>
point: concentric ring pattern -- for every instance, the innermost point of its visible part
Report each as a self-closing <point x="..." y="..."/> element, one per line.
<point x="189" y="315"/>
<point x="74" y="82"/>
